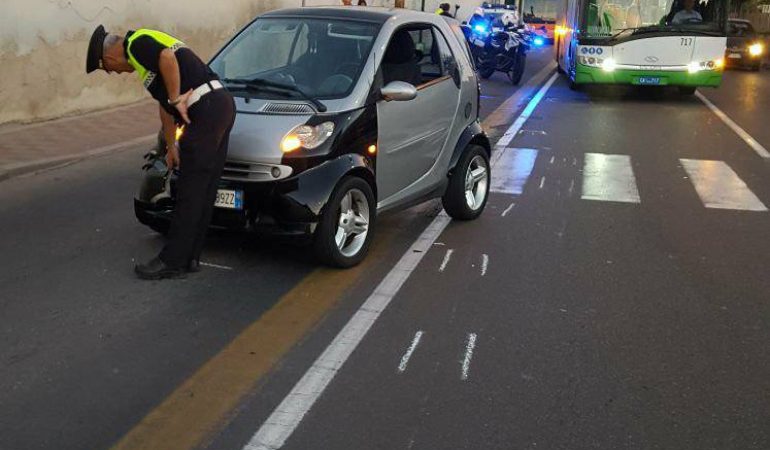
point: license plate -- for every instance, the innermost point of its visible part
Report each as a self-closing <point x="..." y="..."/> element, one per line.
<point x="649" y="80"/>
<point x="229" y="199"/>
<point x="734" y="56"/>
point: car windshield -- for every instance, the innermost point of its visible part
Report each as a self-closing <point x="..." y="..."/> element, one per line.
<point x="539" y="11"/>
<point x="321" y="58"/>
<point x="614" y="18"/>
<point x="739" y="29"/>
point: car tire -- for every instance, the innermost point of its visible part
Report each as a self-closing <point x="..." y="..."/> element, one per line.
<point x="335" y="242"/>
<point x="687" y="90"/>
<point x="161" y="227"/>
<point x="463" y="185"/>
<point x="486" y="72"/>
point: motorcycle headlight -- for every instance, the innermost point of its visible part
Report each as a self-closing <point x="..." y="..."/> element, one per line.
<point x="307" y="137"/>
<point x="756" y="49"/>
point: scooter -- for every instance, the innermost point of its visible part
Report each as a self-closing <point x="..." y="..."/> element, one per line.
<point x="498" y="49"/>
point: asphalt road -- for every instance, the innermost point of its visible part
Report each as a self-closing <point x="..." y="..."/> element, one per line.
<point x="606" y="306"/>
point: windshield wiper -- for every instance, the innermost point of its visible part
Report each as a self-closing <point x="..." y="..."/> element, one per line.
<point x="262" y="83"/>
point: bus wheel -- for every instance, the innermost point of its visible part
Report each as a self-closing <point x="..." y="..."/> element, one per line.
<point x="687" y="90"/>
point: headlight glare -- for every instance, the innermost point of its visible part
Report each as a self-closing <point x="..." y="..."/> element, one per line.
<point x="756" y="49"/>
<point x="307" y="136"/>
<point x="609" y="65"/>
<point x="694" y="67"/>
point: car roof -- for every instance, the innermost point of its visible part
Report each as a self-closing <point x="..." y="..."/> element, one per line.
<point x="365" y="13"/>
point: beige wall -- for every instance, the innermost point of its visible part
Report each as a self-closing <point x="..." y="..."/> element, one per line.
<point x="43" y="46"/>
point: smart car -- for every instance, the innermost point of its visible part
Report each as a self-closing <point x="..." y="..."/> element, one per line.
<point x="342" y="114"/>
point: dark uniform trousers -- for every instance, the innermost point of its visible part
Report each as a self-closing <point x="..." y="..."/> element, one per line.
<point x="202" y="153"/>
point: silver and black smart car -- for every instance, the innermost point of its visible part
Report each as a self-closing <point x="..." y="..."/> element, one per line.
<point x="343" y="113"/>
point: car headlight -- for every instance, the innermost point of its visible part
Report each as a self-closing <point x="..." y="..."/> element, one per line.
<point x="307" y="136"/>
<point x="756" y="49"/>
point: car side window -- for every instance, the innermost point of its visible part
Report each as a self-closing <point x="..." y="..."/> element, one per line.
<point x="446" y="58"/>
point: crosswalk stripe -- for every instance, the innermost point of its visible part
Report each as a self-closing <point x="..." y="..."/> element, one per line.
<point x="609" y="178"/>
<point x="718" y="186"/>
<point x="513" y="169"/>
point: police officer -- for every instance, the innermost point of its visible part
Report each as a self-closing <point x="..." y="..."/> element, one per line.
<point x="189" y="94"/>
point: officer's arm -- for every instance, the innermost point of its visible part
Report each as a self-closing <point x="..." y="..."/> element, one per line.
<point x="169" y="127"/>
<point x="169" y="69"/>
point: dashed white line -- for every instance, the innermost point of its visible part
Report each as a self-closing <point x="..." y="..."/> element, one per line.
<point x="571" y="187"/>
<point x="409" y="351"/>
<point x="553" y="158"/>
<point x="508" y="209"/>
<point x="468" y="355"/>
<point x="447" y="257"/>
<point x="215" y="266"/>
<point x="542" y="182"/>
<point x="484" y="264"/>
<point x="756" y="146"/>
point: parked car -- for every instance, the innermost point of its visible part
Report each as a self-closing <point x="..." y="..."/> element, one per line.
<point x="342" y="114"/>
<point x="744" y="47"/>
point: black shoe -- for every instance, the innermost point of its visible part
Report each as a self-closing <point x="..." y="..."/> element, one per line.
<point x="194" y="266"/>
<point x="156" y="269"/>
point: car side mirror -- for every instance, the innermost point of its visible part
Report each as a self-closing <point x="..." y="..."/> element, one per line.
<point x="399" y="91"/>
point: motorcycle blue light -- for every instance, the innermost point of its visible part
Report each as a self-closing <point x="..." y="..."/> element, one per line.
<point x="539" y="41"/>
<point x="480" y="28"/>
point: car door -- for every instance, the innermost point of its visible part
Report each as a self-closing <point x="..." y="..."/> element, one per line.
<point x="413" y="133"/>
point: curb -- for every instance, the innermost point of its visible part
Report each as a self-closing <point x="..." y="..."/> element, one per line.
<point x="12" y="170"/>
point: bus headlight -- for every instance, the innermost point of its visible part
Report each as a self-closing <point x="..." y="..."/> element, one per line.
<point x="694" y="67"/>
<point x="756" y="49"/>
<point x="609" y="65"/>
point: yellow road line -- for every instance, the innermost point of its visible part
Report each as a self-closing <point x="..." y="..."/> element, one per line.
<point x="203" y="403"/>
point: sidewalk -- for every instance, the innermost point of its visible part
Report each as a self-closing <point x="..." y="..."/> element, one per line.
<point x="26" y="148"/>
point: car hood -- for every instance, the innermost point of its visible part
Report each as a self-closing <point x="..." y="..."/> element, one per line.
<point x="256" y="136"/>
<point x="740" y="41"/>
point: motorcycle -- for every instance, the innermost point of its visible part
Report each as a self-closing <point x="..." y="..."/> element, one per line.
<point x="498" y="49"/>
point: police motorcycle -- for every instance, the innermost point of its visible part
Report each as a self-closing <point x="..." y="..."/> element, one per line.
<point x="498" y="44"/>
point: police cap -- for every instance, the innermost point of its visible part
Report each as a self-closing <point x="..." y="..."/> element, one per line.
<point x="95" y="49"/>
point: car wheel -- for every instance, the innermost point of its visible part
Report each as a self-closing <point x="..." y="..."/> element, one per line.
<point x="687" y="90"/>
<point x="161" y="227"/>
<point x="486" y="72"/>
<point x="468" y="188"/>
<point x="344" y="232"/>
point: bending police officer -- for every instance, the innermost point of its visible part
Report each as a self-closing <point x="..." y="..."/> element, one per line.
<point x="189" y="94"/>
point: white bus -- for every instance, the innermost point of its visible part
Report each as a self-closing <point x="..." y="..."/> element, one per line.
<point x="642" y="42"/>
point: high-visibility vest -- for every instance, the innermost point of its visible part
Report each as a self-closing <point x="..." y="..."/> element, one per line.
<point x="147" y="76"/>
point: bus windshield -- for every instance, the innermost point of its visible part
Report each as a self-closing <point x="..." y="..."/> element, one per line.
<point x="539" y="11"/>
<point x="620" y="18"/>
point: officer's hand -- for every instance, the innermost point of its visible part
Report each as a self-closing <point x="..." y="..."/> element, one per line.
<point x="182" y="105"/>
<point x="172" y="157"/>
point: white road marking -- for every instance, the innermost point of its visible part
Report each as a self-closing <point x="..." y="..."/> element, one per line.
<point x="409" y="351"/>
<point x="289" y="413"/>
<point x="514" y="129"/>
<point x="718" y="186"/>
<point x="484" y="264"/>
<point x="553" y="158"/>
<point x="447" y="257"/>
<point x="756" y="146"/>
<point x="571" y="187"/>
<point x="468" y="355"/>
<point x="215" y="266"/>
<point x="508" y="209"/>
<point x="512" y="170"/>
<point x="609" y="178"/>
<point x="542" y="182"/>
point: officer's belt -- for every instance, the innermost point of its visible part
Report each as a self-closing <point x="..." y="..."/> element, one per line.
<point x="202" y="90"/>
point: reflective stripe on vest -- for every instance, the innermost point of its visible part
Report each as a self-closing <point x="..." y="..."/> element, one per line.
<point x="147" y="76"/>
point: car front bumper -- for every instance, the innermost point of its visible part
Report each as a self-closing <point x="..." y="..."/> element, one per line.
<point x="292" y="206"/>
